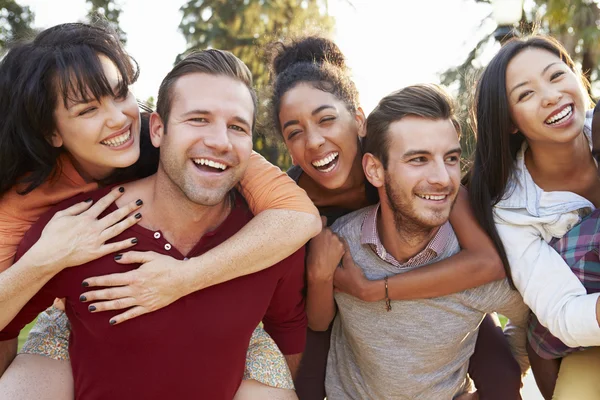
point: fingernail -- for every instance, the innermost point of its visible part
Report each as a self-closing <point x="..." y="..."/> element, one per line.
<point x="112" y="322"/>
<point x="118" y="257"/>
<point x="88" y="200"/>
<point x="82" y="298"/>
<point x="85" y="284"/>
<point x="92" y="308"/>
<point x="139" y="202"/>
<point x="134" y="240"/>
<point x="138" y="215"/>
<point x="121" y="189"/>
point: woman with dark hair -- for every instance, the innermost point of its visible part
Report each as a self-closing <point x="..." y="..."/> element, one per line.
<point x="316" y="111"/>
<point x="533" y="179"/>
<point x="71" y="124"/>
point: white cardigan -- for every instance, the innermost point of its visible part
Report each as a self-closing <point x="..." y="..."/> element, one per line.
<point x="526" y="221"/>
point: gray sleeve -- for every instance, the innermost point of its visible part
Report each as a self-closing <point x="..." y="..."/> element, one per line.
<point x="499" y="297"/>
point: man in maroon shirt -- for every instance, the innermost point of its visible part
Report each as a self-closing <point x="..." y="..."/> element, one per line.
<point x="196" y="347"/>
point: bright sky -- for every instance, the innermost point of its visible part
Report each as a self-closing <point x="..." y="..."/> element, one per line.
<point x="388" y="43"/>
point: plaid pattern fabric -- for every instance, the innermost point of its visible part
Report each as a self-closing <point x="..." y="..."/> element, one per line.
<point x="370" y="237"/>
<point x="580" y="250"/>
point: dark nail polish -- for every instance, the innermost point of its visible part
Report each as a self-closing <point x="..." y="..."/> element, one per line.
<point x="82" y="298"/>
<point x="112" y="322"/>
<point x="138" y="215"/>
<point x="134" y="240"/>
<point x="92" y="308"/>
<point x="118" y="257"/>
<point x="88" y="200"/>
<point x="139" y="202"/>
<point x="85" y="284"/>
<point x="121" y="189"/>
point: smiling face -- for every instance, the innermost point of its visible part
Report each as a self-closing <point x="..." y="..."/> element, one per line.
<point x="205" y="148"/>
<point x="100" y="135"/>
<point x="547" y="101"/>
<point x="320" y="134"/>
<point x="423" y="173"/>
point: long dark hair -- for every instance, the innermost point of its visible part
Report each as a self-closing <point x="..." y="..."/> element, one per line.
<point x="60" y="64"/>
<point x="497" y="146"/>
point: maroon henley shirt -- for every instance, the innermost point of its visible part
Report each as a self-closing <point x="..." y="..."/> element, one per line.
<point x="194" y="348"/>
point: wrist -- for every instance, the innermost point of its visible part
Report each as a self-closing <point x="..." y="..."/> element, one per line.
<point x="41" y="262"/>
<point x="191" y="277"/>
<point x="372" y="291"/>
<point x="318" y="276"/>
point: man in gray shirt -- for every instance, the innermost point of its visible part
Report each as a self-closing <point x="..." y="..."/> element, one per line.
<point x="416" y="349"/>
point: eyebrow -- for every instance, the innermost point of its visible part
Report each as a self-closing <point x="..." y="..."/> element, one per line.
<point x="314" y="112"/>
<point x="526" y="82"/>
<point x="412" y="153"/>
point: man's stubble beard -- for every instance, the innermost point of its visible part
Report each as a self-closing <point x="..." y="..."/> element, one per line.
<point x="406" y="219"/>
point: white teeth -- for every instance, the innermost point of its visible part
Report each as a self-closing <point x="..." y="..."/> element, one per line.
<point x="560" y="116"/>
<point x="209" y="163"/>
<point x="117" y="140"/>
<point x="432" y="197"/>
<point x="326" y="160"/>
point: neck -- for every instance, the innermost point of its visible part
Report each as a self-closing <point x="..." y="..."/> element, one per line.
<point x="559" y="161"/>
<point x="90" y="174"/>
<point x="182" y="221"/>
<point x="401" y="237"/>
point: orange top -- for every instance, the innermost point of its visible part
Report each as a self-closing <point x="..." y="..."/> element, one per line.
<point x="264" y="186"/>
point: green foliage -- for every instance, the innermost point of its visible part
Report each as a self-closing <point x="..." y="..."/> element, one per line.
<point x="245" y="27"/>
<point x="575" y="23"/>
<point x="15" y="22"/>
<point x="109" y="10"/>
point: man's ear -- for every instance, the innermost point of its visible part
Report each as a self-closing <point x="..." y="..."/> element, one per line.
<point x="157" y="129"/>
<point x="373" y="169"/>
<point x="56" y="140"/>
<point x="361" y="122"/>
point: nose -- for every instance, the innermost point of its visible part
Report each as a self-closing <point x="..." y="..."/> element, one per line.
<point x="439" y="174"/>
<point x="217" y="138"/>
<point x="552" y="96"/>
<point x="314" y="139"/>
<point x="116" y="113"/>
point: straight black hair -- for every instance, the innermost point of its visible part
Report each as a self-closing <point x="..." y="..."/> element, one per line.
<point x="497" y="145"/>
<point x="60" y="64"/>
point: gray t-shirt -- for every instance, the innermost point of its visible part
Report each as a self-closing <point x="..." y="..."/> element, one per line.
<point x="421" y="348"/>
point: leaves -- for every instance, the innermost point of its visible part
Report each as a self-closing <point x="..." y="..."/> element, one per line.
<point x="15" y="22"/>
<point x="109" y="10"/>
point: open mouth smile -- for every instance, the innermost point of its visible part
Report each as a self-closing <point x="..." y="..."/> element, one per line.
<point x="327" y="163"/>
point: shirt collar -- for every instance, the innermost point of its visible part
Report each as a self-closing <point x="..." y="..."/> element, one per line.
<point x="370" y="236"/>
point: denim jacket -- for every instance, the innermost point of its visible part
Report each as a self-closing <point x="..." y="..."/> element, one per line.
<point x="527" y="219"/>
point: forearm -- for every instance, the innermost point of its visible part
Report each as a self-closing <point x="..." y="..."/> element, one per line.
<point x="320" y="303"/>
<point x="293" y="362"/>
<point x="451" y="275"/>
<point x="20" y="283"/>
<point x="267" y="239"/>
<point x="8" y="352"/>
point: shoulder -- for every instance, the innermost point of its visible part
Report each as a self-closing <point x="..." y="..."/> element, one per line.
<point x="351" y="222"/>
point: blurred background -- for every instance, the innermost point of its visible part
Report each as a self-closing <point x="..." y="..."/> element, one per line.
<point x="388" y="43"/>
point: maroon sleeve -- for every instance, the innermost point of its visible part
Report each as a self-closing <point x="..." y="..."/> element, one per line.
<point x="44" y="298"/>
<point x="285" y="319"/>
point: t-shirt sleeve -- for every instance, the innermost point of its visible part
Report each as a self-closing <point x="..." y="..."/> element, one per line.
<point x="266" y="187"/>
<point x="43" y="299"/>
<point x="285" y="319"/>
<point x="12" y="230"/>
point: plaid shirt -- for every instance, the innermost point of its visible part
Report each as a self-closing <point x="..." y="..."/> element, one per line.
<point x="580" y="250"/>
<point x="370" y="237"/>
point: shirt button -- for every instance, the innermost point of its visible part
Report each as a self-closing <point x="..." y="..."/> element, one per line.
<point x="156" y="235"/>
<point x="167" y="246"/>
<point x="569" y="227"/>
<point x="185" y="258"/>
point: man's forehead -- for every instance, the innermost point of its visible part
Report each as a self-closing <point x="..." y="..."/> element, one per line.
<point x="214" y="93"/>
<point x="418" y="133"/>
